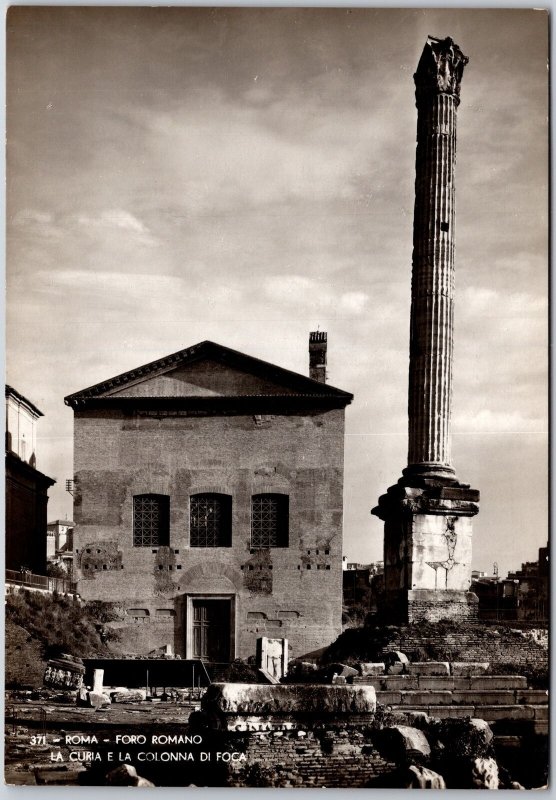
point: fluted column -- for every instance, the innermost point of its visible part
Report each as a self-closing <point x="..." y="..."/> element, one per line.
<point x="437" y="82"/>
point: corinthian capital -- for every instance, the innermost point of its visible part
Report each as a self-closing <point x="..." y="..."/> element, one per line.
<point x="440" y="69"/>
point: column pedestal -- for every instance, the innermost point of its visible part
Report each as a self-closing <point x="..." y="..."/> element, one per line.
<point x="427" y="549"/>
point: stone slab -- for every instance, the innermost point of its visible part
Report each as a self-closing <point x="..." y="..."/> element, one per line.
<point x="541" y="712"/>
<point x="479" y="698"/>
<point x="489" y="682"/>
<point x="426" y="698"/>
<point x="389" y="698"/>
<point x="262" y="699"/>
<point x="541" y="727"/>
<point x="396" y="682"/>
<point x="532" y="697"/>
<point x="468" y="669"/>
<point x="462" y="683"/>
<point x="509" y="712"/>
<point x="437" y="682"/>
<point x="427" y="668"/>
<point x="368" y="680"/>
<point x="451" y="711"/>
<point x="372" y="668"/>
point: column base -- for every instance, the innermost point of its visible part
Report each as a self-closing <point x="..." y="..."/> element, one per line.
<point x="427" y="549"/>
<point x="429" y="605"/>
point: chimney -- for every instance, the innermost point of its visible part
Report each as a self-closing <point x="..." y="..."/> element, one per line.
<point x="317" y="356"/>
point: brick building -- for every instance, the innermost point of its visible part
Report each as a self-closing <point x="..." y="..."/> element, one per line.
<point x="26" y="488"/>
<point x="208" y="502"/>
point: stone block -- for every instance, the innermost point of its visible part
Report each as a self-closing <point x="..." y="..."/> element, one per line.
<point x="462" y="683"/>
<point x="451" y="712"/>
<point x="372" y="667"/>
<point x="513" y="712"/>
<point x="490" y="682"/>
<point x="479" y="698"/>
<point x="423" y="778"/>
<point x="395" y="669"/>
<point x="272" y="656"/>
<point x="467" y="669"/>
<point x="369" y="680"/>
<point x="484" y="774"/>
<point x="400" y="742"/>
<point x="299" y="668"/>
<point x="395" y="658"/>
<point x="427" y="668"/>
<point x="126" y="775"/>
<point x="260" y="699"/>
<point x="426" y="698"/>
<point x="97" y="699"/>
<point x="436" y="682"/>
<point x="541" y="712"/>
<point x="398" y="682"/>
<point x="389" y="698"/>
<point x="129" y="696"/>
<point x="532" y="697"/>
<point x="415" y="719"/>
<point x="342" y="670"/>
<point x="540" y="727"/>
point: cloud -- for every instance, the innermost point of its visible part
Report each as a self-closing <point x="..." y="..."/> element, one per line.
<point x="489" y="421"/>
<point x="308" y="292"/>
<point x="113" y="218"/>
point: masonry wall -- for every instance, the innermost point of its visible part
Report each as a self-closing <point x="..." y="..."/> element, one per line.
<point x="326" y="758"/>
<point x="293" y="592"/>
<point x="482" y="644"/>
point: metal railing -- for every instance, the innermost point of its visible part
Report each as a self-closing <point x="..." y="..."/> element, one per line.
<point x="45" y="583"/>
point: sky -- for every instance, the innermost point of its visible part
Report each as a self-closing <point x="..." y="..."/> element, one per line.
<point x="246" y="176"/>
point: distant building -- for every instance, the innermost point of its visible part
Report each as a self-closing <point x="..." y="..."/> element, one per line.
<point x="522" y="596"/>
<point x="26" y="488"/>
<point x="361" y="585"/>
<point x="59" y="543"/>
<point x="533" y="580"/>
<point x="208" y="502"/>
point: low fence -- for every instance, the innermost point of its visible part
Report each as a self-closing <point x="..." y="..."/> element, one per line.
<point x="45" y="583"/>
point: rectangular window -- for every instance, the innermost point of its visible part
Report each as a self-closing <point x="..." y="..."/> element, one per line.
<point x="269" y="520"/>
<point x="210" y="520"/>
<point x="151" y="520"/>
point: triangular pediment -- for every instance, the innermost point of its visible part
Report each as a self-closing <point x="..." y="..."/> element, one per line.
<point x="206" y="370"/>
<point x="203" y="378"/>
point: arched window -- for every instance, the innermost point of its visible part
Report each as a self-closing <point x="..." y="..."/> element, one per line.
<point x="151" y="520"/>
<point x="210" y="520"/>
<point x="269" y="520"/>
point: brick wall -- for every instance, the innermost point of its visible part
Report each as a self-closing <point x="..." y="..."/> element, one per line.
<point x="299" y="454"/>
<point x="327" y="758"/>
<point x="482" y="644"/>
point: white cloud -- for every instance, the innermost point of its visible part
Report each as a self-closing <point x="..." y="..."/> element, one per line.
<point x="489" y="421"/>
<point x="314" y="295"/>
<point x="115" y="218"/>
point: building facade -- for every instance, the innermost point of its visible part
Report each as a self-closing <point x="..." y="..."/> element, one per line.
<point x="26" y="488"/>
<point x="208" y="503"/>
<point x="59" y="544"/>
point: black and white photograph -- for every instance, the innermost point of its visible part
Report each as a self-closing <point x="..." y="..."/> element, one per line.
<point x="277" y="364"/>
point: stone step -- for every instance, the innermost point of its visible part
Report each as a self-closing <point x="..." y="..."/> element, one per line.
<point x="468" y="669"/>
<point x="426" y="698"/>
<point x="489" y="682"/>
<point x="533" y="697"/>
<point x="427" y="668"/>
<point x="466" y="698"/>
<point x="498" y="697"/>
<point x="443" y="682"/>
<point x="538" y="715"/>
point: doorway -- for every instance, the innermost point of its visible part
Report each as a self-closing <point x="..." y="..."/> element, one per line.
<point x="210" y="629"/>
